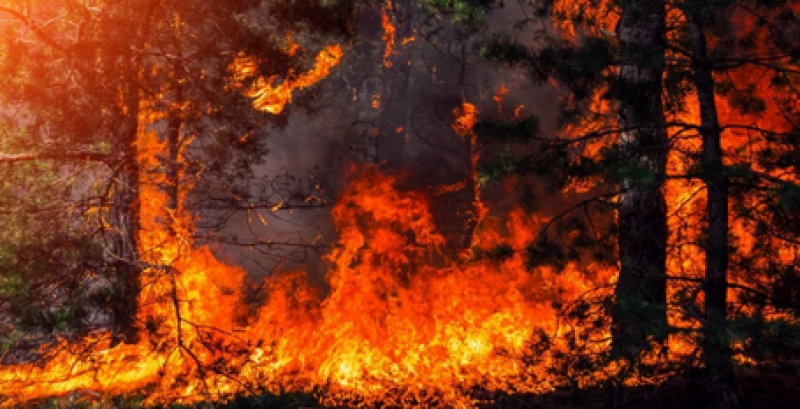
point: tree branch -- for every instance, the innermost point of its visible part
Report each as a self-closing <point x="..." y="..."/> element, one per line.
<point x="67" y="156"/>
<point x="36" y="30"/>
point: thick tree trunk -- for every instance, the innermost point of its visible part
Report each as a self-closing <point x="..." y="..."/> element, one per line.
<point x="639" y="314"/>
<point x="716" y="348"/>
<point x="126" y="218"/>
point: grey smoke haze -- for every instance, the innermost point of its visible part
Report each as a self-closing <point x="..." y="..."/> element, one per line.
<point x="318" y="147"/>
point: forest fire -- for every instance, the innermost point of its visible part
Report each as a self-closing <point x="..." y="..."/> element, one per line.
<point x="648" y="234"/>
<point x="401" y="316"/>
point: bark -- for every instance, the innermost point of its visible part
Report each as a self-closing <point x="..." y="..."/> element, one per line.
<point x="470" y="158"/>
<point x="716" y="349"/>
<point x="174" y="128"/>
<point x="639" y="314"/>
<point x="126" y="216"/>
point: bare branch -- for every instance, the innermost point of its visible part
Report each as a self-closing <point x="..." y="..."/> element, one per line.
<point x="66" y="156"/>
<point x="33" y="27"/>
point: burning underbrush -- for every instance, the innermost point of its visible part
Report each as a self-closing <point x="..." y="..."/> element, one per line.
<point x="405" y="322"/>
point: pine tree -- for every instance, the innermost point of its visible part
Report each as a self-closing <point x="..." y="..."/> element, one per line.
<point x="728" y="84"/>
<point x="641" y="293"/>
<point x="728" y="45"/>
<point x="86" y="79"/>
<point x="613" y="139"/>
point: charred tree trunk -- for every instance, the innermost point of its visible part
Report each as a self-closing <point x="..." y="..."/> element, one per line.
<point x="126" y="217"/>
<point x="174" y="128"/>
<point x="475" y="212"/>
<point x="639" y="315"/>
<point x="396" y="77"/>
<point x="716" y="349"/>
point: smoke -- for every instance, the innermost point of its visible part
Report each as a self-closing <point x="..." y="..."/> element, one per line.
<point x="340" y="130"/>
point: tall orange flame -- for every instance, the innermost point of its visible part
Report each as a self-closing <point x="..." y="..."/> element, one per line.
<point x="273" y="98"/>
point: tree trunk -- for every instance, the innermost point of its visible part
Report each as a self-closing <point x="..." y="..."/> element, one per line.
<point x="716" y="348"/>
<point x="476" y="209"/>
<point x="172" y="185"/>
<point x="174" y="130"/>
<point x="639" y="314"/>
<point x="126" y="217"/>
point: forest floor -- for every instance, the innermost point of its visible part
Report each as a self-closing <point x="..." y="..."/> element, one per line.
<point x="758" y="389"/>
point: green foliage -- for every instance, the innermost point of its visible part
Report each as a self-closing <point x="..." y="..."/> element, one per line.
<point x="497" y="168"/>
<point x="470" y="14"/>
<point x="46" y="253"/>
<point x="44" y="280"/>
<point x="772" y="342"/>
<point x="550" y="163"/>
<point x="642" y="322"/>
<point x="582" y="69"/>
<point x="638" y="173"/>
<point x="523" y="130"/>
<point x="507" y="52"/>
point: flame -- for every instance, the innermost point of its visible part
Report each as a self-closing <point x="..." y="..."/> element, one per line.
<point x="292" y="47"/>
<point x="176" y="270"/>
<point x="572" y="13"/>
<point x="401" y="315"/>
<point x="405" y="323"/>
<point x="499" y="95"/>
<point x="389" y="34"/>
<point x="466" y="117"/>
<point x="518" y="111"/>
<point x="687" y="199"/>
<point x="273" y="98"/>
